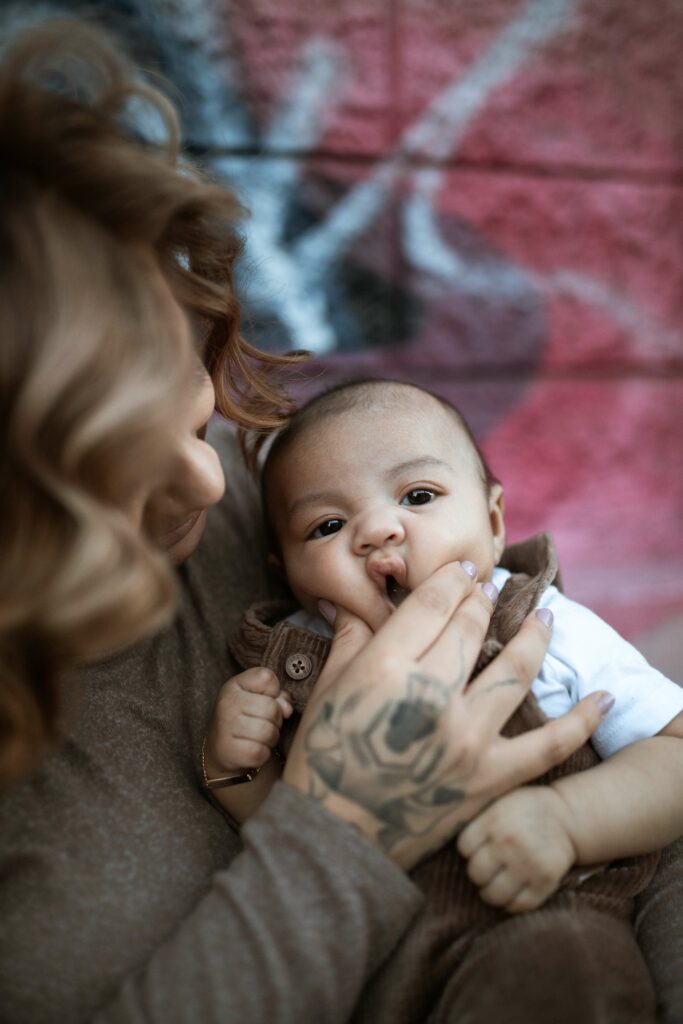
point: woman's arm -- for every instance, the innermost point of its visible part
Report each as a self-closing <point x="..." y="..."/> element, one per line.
<point x="119" y="888"/>
<point x="243" y="800"/>
<point x="297" y="925"/>
<point x="289" y="933"/>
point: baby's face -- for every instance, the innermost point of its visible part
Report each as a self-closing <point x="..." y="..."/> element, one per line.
<point x="368" y="503"/>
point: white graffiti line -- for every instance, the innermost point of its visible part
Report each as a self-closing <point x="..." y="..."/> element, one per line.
<point x="191" y="41"/>
<point x="485" y="277"/>
<point x="287" y="280"/>
<point x="274" y="277"/>
<point x="299" y="123"/>
<point x="437" y="132"/>
<point x="647" y="336"/>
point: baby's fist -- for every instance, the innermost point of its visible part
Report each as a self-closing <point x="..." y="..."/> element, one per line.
<point x="519" y="849"/>
<point x="246" y="721"/>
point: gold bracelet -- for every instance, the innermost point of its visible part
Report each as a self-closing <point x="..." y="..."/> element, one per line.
<point x="231" y="779"/>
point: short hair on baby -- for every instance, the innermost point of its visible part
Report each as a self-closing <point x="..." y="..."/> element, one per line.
<point x="361" y="393"/>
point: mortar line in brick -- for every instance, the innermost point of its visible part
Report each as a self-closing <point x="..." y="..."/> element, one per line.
<point x="556" y="172"/>
<point x="532" y="372"/>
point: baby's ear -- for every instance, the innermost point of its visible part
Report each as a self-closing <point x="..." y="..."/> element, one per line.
<point x="497" y="519"/>
<point x="274" y="563"/>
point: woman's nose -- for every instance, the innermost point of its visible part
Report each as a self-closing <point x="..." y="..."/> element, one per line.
<point x="198" y="480"/>
<point x="378" y="528"/>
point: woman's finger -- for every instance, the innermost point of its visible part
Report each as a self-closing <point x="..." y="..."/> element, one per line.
<point x="500" y="688"/>
<point x="535" y="752"/>
<point x="351" y="636"/>
<point x="421" y="619"/>
<point x="453" y="654"/>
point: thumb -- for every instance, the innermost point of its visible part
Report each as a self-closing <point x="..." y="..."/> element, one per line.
<point x="351" y="635"/>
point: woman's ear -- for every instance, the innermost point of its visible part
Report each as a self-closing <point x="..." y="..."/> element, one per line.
<point x="497" y="519"/>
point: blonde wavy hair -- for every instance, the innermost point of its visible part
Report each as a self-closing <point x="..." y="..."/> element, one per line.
<point x="94" y="360"/>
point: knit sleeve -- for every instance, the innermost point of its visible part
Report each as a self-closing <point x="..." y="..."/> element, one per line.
<point x="290" y="933"/>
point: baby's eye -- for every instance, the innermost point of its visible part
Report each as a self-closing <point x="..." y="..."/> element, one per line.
<point x="326" y="528"/>
<point x="418" y="496"/>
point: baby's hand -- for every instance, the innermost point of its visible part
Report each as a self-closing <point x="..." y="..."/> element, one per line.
<point x="246" y="721"/>
<point x="519" y="849"/>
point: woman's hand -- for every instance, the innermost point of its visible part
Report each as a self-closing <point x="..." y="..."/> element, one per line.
<point x="394" y="739"/>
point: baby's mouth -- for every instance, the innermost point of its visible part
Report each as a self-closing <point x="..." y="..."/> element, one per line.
<point x="395" y="592"/>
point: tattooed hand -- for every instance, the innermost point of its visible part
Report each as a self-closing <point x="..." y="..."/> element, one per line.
<point x="396" y="741"/>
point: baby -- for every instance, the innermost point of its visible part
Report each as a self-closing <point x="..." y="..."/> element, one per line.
<point x="370" y="489"/>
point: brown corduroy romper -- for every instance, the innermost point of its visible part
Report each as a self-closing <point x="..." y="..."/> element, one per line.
<point x="572" y="961"/>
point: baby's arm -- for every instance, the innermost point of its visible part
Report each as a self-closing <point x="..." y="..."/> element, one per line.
<point x="521" y="847"/>
<point x="243" y="733"/>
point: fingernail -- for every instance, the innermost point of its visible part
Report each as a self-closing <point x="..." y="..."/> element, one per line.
<point x="545" y="615"/>
<point x="491" y="591"/>
<point x="605" y="702"/>
<point x="328" y="611"/>
<point x="470" y="568"/>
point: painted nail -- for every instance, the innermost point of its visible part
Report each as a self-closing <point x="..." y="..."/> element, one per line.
<point x="470" y="568"/>
<point x="605" y="702"/>
<point x="328" y="611"/>
<point x="491" y="591"/>
<point x="545" y="615"/>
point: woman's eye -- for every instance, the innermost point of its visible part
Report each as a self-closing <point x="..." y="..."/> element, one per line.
<point x="327" y="527"/>
<point x="418" y="496"/>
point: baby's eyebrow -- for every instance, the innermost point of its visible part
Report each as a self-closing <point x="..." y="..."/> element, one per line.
<point x="417" y="463"/>
<point x="317" y="498"/>
<point x="333" y="498"/>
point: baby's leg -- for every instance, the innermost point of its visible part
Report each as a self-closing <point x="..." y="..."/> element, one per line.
<point x="560" y="964"/>
<point x="659" y="932"/>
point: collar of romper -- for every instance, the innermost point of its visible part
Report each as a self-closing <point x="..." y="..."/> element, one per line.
<point x="266" y="638"/>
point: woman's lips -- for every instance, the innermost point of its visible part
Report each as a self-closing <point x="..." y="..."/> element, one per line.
<point x="178" y="533"/>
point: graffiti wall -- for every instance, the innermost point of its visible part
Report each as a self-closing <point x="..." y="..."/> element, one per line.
<point x="485" y="198"/>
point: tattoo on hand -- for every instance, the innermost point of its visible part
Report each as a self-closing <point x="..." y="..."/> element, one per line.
<point x="410" y="722"/>
<point x="496" y="684"/>
<point x="404" y="788"/>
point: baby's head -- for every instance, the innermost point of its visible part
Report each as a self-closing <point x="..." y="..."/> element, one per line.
<point x="372" y="487"/>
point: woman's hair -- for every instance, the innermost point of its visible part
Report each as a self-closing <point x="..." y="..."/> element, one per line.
<point x="96" y="224"/>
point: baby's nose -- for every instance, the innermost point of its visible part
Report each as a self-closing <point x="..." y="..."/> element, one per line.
<point x="376" y="529"/>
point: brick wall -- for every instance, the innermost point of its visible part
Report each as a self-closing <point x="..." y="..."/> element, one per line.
<point x="483" y="197"/>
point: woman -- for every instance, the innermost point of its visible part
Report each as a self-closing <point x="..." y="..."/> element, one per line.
<point x="124" y="893"/>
